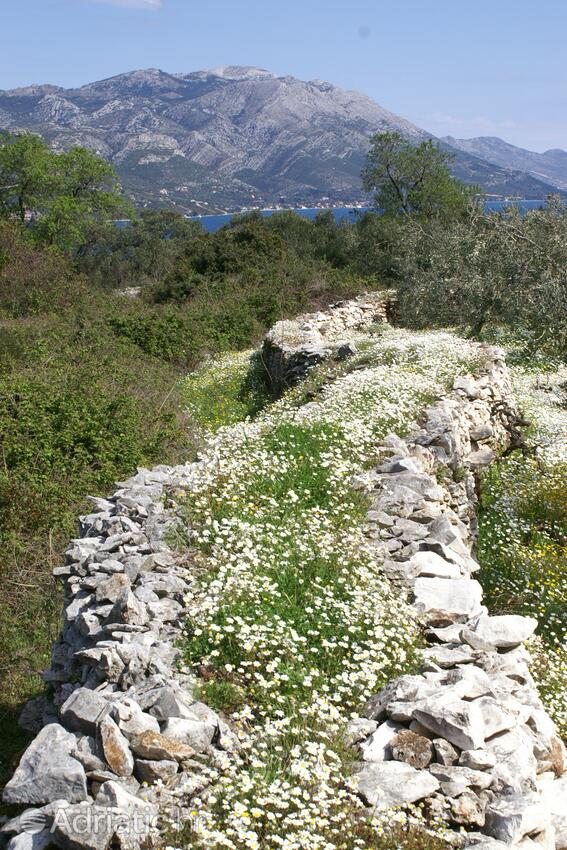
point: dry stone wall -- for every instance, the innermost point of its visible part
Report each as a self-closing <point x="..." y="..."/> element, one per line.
<point x="121" y="745"/>
<point x="468" y="736"/>
<point x="123" y="742"/>
<point x="291" y="348"/>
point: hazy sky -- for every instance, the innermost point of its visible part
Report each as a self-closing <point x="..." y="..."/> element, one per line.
<point x="460" y="67"/>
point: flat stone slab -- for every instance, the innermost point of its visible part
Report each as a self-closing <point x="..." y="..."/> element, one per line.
<point x="446" y="600"/>
<point x="506" y="631"/>
<point x="394" y="783"/>
<point x="459" y="722"/>
<point x="432" y="565"/>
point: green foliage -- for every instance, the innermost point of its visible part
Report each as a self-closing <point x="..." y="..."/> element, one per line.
<point x="79" y="408"/>
<point x="522" y="549"/>
<point x="413" y="179"/>
<point x="227" y="390"/>
<point x="140" y="253"/>
<point x="523" y="540"/>
<point x="62" y="193"/>
<point x="483" y="272"/>
<point x="33" y="282"/>
<point x="25" y="174"/>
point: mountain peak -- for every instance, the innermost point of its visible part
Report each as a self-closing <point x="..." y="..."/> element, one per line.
<point x="230" y="137"/>
<point x="239" y="72"/>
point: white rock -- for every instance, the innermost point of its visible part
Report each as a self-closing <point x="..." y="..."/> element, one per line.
<point x="459" y="722"/>
<point x="512" y="818"/>
<point x="199" y="734"/>
<point x="377" y="747"/>
<point x="433" y="565"/>
<point x="359" y="729"/>
<point x="516" y="765"/>
<point x="554" y="795"/>
<point x="393" y="783"/>
<point x="506" y="631"/>
<point x="443" y="600"/>
<point x="82" y="710"/>
<point x="47" y="771"/>
<point x="131" y="719"/>
<point x="31" y="841"/>
<point x="456" y="779"/>
<point x="477" y="759"/>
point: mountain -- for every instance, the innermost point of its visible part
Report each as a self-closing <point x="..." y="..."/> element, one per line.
<point x="230" y="137"/>
<point x="549" y="166"/>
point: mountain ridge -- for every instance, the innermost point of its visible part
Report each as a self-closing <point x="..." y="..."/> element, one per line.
<point x="550" y="165"/>
<point x="231" y="137"/>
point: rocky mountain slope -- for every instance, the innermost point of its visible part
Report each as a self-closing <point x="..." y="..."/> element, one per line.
<point x="230" y="137"/>
<point x="549" y="166"/>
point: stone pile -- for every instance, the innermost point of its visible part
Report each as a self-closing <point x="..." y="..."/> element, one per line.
<point x="291" y="348"/>
<point x="123" y="738"/>
<point x="468" y="735"/>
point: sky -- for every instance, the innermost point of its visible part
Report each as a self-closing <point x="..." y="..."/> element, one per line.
<point x="454" y="67"/>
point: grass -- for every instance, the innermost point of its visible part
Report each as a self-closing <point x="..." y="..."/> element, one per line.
<point x="523" y="541"/>
<point x="229" y="389"/>
<point x="293" y="624"/>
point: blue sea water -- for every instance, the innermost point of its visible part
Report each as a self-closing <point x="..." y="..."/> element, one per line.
<point x="214" y="222"/>
<point x="211" y="223"/>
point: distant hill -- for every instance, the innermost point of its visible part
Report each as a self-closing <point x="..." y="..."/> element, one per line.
<point x="231" y="137"/>
<point x="550" y="166"/>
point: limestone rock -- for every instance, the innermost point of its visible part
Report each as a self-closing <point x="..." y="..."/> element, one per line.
<point x="445" y="753"/>
<point x="84" y="827"/>
<point x="415" y="750"/>
<point x="440" y="601"/>
<point x="554" y="796"/>
<point x="82" y="710"/>
<point x="393" y="783"/>
<point x="359" y="729"/>
<point x="512" y="818"/>
<point x="477" y="759"/>
<point x="506" y="631"/>
<point x="115" y="748"/>
<point x="199" y="734"/>
<point x="459" y="722"/>
<point x="516" y="766"/>
<point x="47" y="771"/>
<point x="377" y="747"/>
<point x="150" y="771"/>
<point x="468" y="810"/>
<point x="153" y="746"/>
<point x="430" y="564"/>
<point x="35" y="841"/>
<point x="454" y="780"/>
<point x="131" y="719"/>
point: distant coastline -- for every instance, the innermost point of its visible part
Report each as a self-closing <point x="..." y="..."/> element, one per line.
<point x="212" y="222"/>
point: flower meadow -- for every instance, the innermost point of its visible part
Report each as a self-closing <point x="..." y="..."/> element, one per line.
<point x="523" y="531"/>
<point x="292" y="623"/>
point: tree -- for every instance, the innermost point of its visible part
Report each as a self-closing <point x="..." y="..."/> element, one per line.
<point x="60" y="193"/>
<point x="413" y="179"/>
<point x="25" y="174"/>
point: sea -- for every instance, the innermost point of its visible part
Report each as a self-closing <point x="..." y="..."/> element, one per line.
<point x="214" y="222"/>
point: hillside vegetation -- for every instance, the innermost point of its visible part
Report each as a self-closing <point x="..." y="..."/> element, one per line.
<point x="93" y="383"/>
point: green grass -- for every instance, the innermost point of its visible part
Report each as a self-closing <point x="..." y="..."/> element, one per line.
<point x="229" y="389"/>
<point x="522" y="549"/>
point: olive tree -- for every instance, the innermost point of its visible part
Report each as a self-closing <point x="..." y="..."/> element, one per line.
<point x="413" y="179"/>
